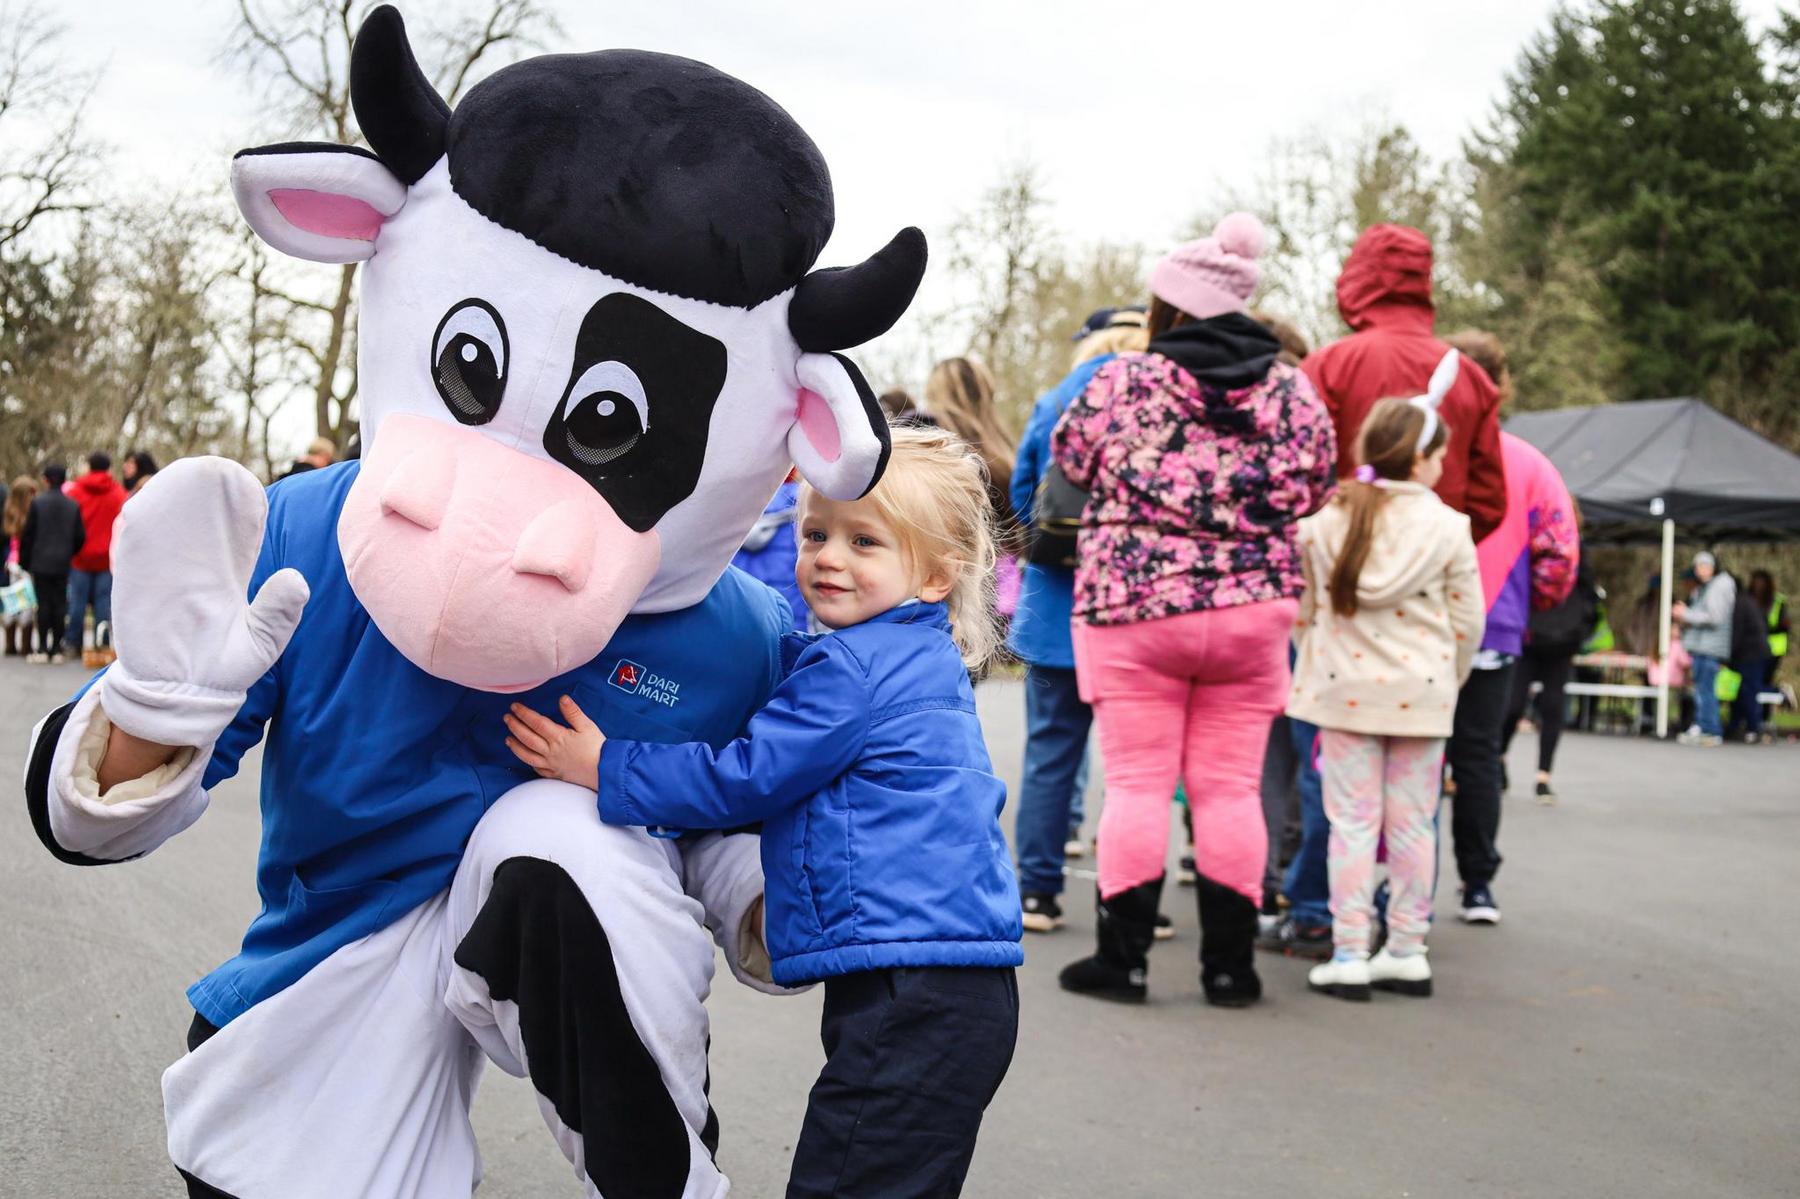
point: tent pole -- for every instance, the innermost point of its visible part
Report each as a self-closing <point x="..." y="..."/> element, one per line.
<point x="1662" y="625"/>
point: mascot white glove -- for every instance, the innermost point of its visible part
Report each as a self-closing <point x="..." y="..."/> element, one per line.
<point x="189" y="644"/>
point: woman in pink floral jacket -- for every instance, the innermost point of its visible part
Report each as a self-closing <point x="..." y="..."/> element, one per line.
<point x="1199" y="455"/>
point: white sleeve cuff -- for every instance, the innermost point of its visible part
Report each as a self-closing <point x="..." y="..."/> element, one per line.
<point x="168" y="713"/>
<point x="132" y="818"/>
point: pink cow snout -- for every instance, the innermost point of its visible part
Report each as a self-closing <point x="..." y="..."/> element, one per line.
<point x="482" y="565"/>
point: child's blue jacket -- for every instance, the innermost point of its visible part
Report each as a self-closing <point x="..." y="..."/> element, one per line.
<point x="881" y="812"/>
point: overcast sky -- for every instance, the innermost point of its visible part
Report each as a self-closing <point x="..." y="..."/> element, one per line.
<point x="1137" y="121"/>
<point x="1138" y="114"/>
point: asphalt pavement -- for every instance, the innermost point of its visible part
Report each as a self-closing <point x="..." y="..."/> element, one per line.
<point x="1629" y="1031"/>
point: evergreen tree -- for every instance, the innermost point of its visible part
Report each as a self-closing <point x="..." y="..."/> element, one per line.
<point x="1644" y="139"/>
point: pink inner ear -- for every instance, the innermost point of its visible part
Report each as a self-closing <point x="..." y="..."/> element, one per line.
<point x="819" y="425"/>
<point x="327" y="213"/>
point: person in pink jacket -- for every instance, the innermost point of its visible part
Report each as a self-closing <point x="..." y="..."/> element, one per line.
<point x="1387" y="632"/>
<point x="1528" y="564"/>
<point x="1199" y="456"/>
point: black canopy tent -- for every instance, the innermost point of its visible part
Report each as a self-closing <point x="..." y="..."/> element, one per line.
<point x="1653" y="470"/>
<point x="1634" y="466"/>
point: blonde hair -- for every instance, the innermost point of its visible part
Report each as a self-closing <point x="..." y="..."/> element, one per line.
<point x="1122" y="337"/>
<point x="959" y="395"/>
<point x="935" y="495"/>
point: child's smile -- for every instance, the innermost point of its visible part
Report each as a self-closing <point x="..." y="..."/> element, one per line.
<point x="853" y="565"/>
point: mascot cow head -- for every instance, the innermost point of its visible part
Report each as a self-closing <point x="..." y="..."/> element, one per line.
<point x="591" y="341"/>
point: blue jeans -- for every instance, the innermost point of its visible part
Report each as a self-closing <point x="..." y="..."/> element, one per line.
<point x="1056" y="737"/>
<point x="1706" y="694"/>
<point x="1308" y="882"/>
<point x="88" y="586"/>
<point x="1078" y="797"/>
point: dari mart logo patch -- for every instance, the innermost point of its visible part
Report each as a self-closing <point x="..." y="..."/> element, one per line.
<point x="634" y="679"/>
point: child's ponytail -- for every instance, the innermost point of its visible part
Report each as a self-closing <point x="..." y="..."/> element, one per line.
<point x="1387" y="448"/>
<point x="1363" y="501"/>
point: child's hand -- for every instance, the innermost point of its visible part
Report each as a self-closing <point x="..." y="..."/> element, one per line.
<point x="569" y="752"/>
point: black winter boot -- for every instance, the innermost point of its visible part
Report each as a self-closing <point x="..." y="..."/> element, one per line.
<point x="1227" y="945"/>
<point x="1127" y="926"/>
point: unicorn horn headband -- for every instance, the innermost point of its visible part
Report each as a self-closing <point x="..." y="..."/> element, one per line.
<point x="1443" y="378"/>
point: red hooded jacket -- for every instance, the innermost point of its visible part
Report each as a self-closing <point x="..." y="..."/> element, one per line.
<point x="1384" y="294"/>
<point x="100" y="496"/>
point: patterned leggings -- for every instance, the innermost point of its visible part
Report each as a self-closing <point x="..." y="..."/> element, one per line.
<point x="1376" y="786"/>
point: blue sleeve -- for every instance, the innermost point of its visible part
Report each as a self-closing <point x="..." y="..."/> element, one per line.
<point x="244" y="731"/>
<point x="809" y="733"/>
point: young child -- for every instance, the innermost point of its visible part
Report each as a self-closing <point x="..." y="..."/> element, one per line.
<point x="1387" y="633"/>
<point x="886" y="871"/>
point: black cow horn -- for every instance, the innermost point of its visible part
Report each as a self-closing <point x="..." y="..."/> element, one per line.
<point x="400" y="112"/>
<point x="845" y="306"/>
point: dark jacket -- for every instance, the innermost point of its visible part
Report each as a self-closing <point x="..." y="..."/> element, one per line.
<point x="1565" y="628"/>
<point x="1384" y="294"/>
<point x="52" y="535"/>
<point x="100" y="496"/>
<point x="881" y="838"/>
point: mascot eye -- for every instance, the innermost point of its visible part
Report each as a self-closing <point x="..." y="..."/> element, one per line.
<point x="468" y="361"/>
<point x="605" y="414"/>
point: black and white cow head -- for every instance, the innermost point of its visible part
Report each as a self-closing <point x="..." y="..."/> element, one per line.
<point x="591" y="341"/>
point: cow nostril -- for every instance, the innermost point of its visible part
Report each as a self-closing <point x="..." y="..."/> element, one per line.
<point x="559" y="543"/>
<point x="419" y="489"/>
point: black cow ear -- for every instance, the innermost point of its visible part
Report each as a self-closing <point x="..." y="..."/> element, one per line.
<point x="845" y="306"/>
<point x="397" y="108"/>
<point x="839" y="438"/>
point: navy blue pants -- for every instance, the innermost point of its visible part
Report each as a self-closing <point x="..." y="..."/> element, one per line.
<point x="913" y="1056"/>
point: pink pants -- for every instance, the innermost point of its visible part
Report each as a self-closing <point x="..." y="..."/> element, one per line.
<point x="1187" y="698"/>
<point x="1375" y="788"/>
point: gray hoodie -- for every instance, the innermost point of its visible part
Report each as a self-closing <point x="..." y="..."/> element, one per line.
<point x="1706" y="629"/>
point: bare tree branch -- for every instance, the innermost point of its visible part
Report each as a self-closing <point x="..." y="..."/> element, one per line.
<point x="45" y="173"/>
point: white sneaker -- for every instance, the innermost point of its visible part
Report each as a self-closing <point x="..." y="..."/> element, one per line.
<point x="37" y="658"/>
<point x="1410" y="975"/>
<point x="1042" y="914"/>
<point x="1074" y="847"/>
<point x="1343" y="980"/>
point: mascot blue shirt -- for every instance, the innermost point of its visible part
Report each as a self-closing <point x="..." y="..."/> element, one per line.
<point x="355" y="835"/>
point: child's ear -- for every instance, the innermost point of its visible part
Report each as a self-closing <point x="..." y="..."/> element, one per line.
<point x="937" y="587"/>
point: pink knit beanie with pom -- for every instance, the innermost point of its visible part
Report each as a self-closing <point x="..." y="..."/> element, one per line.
<point x="1216" y="274"/>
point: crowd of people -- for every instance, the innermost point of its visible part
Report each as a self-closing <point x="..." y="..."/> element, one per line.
<point x="55" y="545"/>
<point x="1305" y="594"/>
<point x="57" y="534"/>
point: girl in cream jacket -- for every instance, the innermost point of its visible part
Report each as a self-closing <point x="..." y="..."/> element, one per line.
<point x="1387" y="631"/>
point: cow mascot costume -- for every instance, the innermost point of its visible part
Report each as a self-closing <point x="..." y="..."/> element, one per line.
<point x="591" y="345"/>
